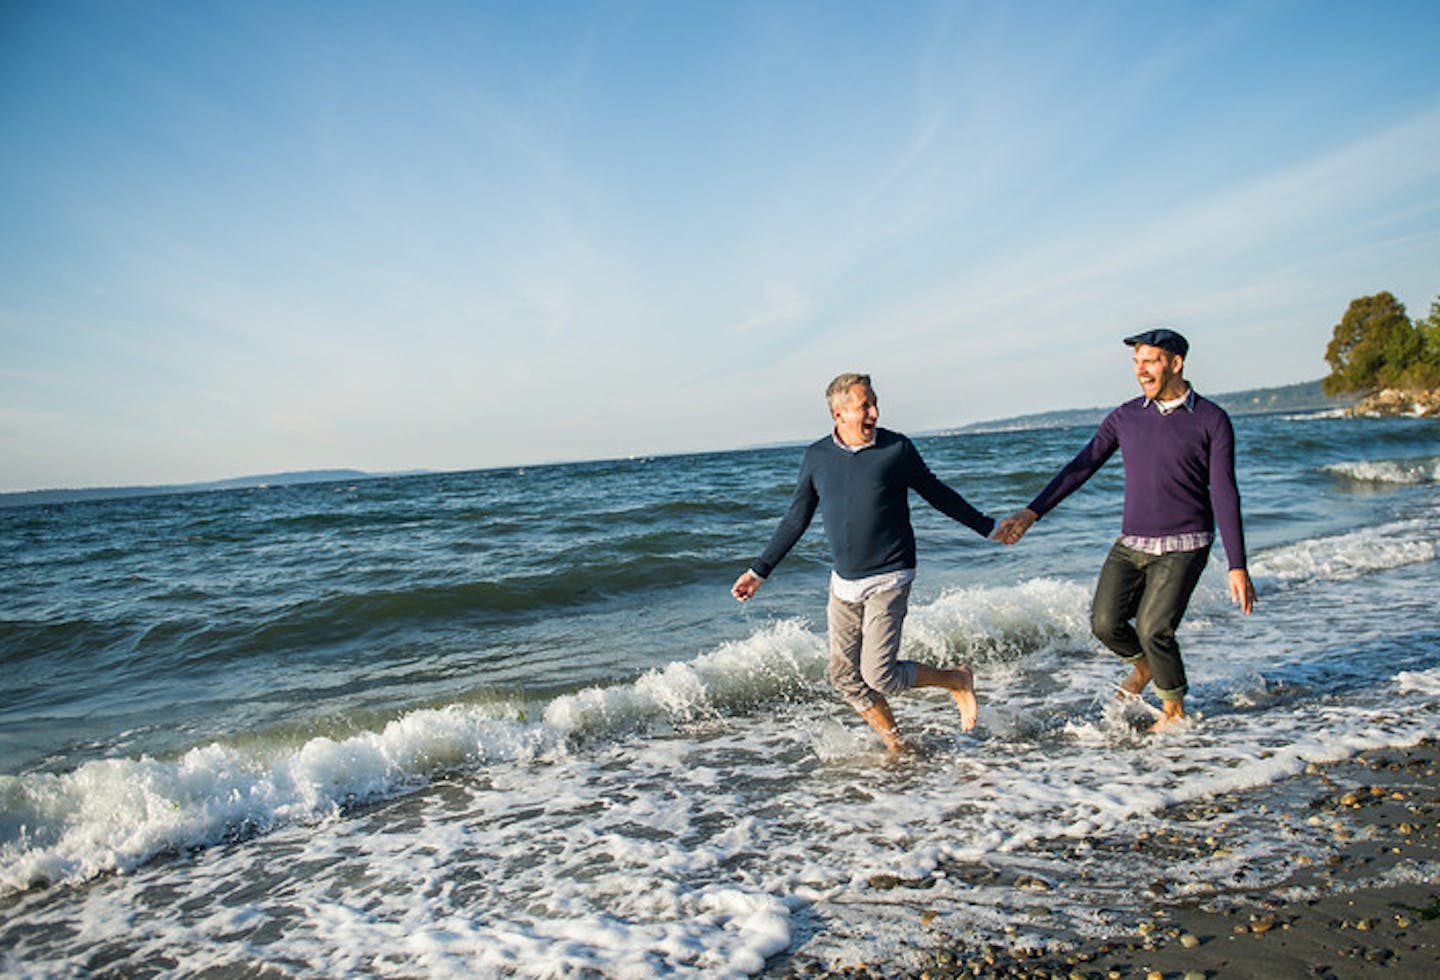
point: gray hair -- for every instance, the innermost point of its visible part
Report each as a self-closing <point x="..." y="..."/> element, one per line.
<point x="839" y="389"/>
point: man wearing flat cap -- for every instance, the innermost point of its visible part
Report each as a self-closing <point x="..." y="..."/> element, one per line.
<point x="1179" y="455"/>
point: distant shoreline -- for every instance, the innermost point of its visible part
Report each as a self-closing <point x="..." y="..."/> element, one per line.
<point x="1302" y="397"/>
<point x="30" y="498"/>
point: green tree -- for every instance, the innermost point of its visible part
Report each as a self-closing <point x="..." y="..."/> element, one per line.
<point x="1430" y="329"/>
<point x="1373" y="346"/>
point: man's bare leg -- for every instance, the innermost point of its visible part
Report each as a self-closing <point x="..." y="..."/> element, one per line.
<point x="883" y="721"/>
<point x="1139" y="677"/>
<point x="961" y="685"/>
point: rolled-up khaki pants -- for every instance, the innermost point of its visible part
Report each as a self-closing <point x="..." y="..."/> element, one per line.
<point x="865" y="647"/>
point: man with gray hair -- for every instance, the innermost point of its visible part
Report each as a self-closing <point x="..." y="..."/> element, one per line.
<point x="859" y="476"/>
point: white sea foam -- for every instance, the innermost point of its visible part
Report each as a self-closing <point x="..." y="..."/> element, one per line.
<point x="1397" y="471"/>
<point x="1317" y="414"/>
<point x="114" y="814"/>
<point x="989" y="624"/>
<point x="1347" y="556"/>
<point x="1419" y="681"/>
<point x="777" y="661"/>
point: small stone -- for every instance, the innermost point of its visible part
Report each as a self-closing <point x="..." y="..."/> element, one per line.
<point x="1154" y="975"/>
<point x="1195" y="975"/>
<point x="1189" y="940"/>
<point x="928" y="916"/>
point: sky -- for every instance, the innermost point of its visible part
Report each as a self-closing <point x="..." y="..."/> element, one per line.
<point x="252" y="237"/>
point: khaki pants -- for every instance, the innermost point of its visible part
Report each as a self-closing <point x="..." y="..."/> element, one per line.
<point x="865" y="647"/>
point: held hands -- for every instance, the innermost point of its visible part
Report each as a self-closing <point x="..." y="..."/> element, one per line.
<point x="1013" y="528"/>
<point x="746" y="585"/>
<point x="1242" y="590"/>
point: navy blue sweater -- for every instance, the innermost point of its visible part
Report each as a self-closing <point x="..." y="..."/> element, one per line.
<point x="864" y="502"/>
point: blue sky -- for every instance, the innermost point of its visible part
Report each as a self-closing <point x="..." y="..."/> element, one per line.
<point x="250" y="237"/>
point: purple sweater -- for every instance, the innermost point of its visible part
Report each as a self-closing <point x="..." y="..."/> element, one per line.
<point x="1179" y="472"/>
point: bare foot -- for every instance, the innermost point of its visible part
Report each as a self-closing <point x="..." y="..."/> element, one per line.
<point x="965" y="699"/>
<point x="1172" y="715"/>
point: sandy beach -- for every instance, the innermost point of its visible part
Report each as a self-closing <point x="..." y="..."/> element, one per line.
<point x="1359" y="896"/>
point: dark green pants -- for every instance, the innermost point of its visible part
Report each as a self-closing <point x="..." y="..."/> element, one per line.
<point x="1153" y="591"/>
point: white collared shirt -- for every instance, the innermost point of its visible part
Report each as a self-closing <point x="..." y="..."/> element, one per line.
<point x="849" y="448"/>
<point x="1186" y="400"/>
<point x="857" y="589"/>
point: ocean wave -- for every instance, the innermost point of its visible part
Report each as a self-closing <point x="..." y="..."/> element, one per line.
<point x="116" y="814"/>
<point x="999" y="624"/>
<point x="1319" y="413"/>
<point x="1397" y="471"/>
<point x="568" y="585"/>
<point x="1348" y="556"/>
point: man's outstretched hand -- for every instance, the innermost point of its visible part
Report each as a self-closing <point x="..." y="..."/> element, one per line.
<point x="1242" y="590"/>
<point x="746" y="585"/>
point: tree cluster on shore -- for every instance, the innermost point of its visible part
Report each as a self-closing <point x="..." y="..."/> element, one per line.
<point x="1377" y="346"/>
<point x="1376" y="350"/>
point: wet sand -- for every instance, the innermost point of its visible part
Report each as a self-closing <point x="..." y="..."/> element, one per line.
<point x="1359" y="896"/>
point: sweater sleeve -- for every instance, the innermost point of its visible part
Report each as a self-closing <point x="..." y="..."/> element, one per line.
<point x="793" y="524"/>
<point x="1225" y="491"/>
<point x="1086" y="463"/>
<point x="945" y="499"/>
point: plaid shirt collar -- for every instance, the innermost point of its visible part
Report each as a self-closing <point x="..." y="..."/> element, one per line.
<point x="1187" y="403"/>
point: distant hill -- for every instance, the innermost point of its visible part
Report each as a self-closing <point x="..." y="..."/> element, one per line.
<point x="26" y="498"/>
<point x="1303" y="397"/>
